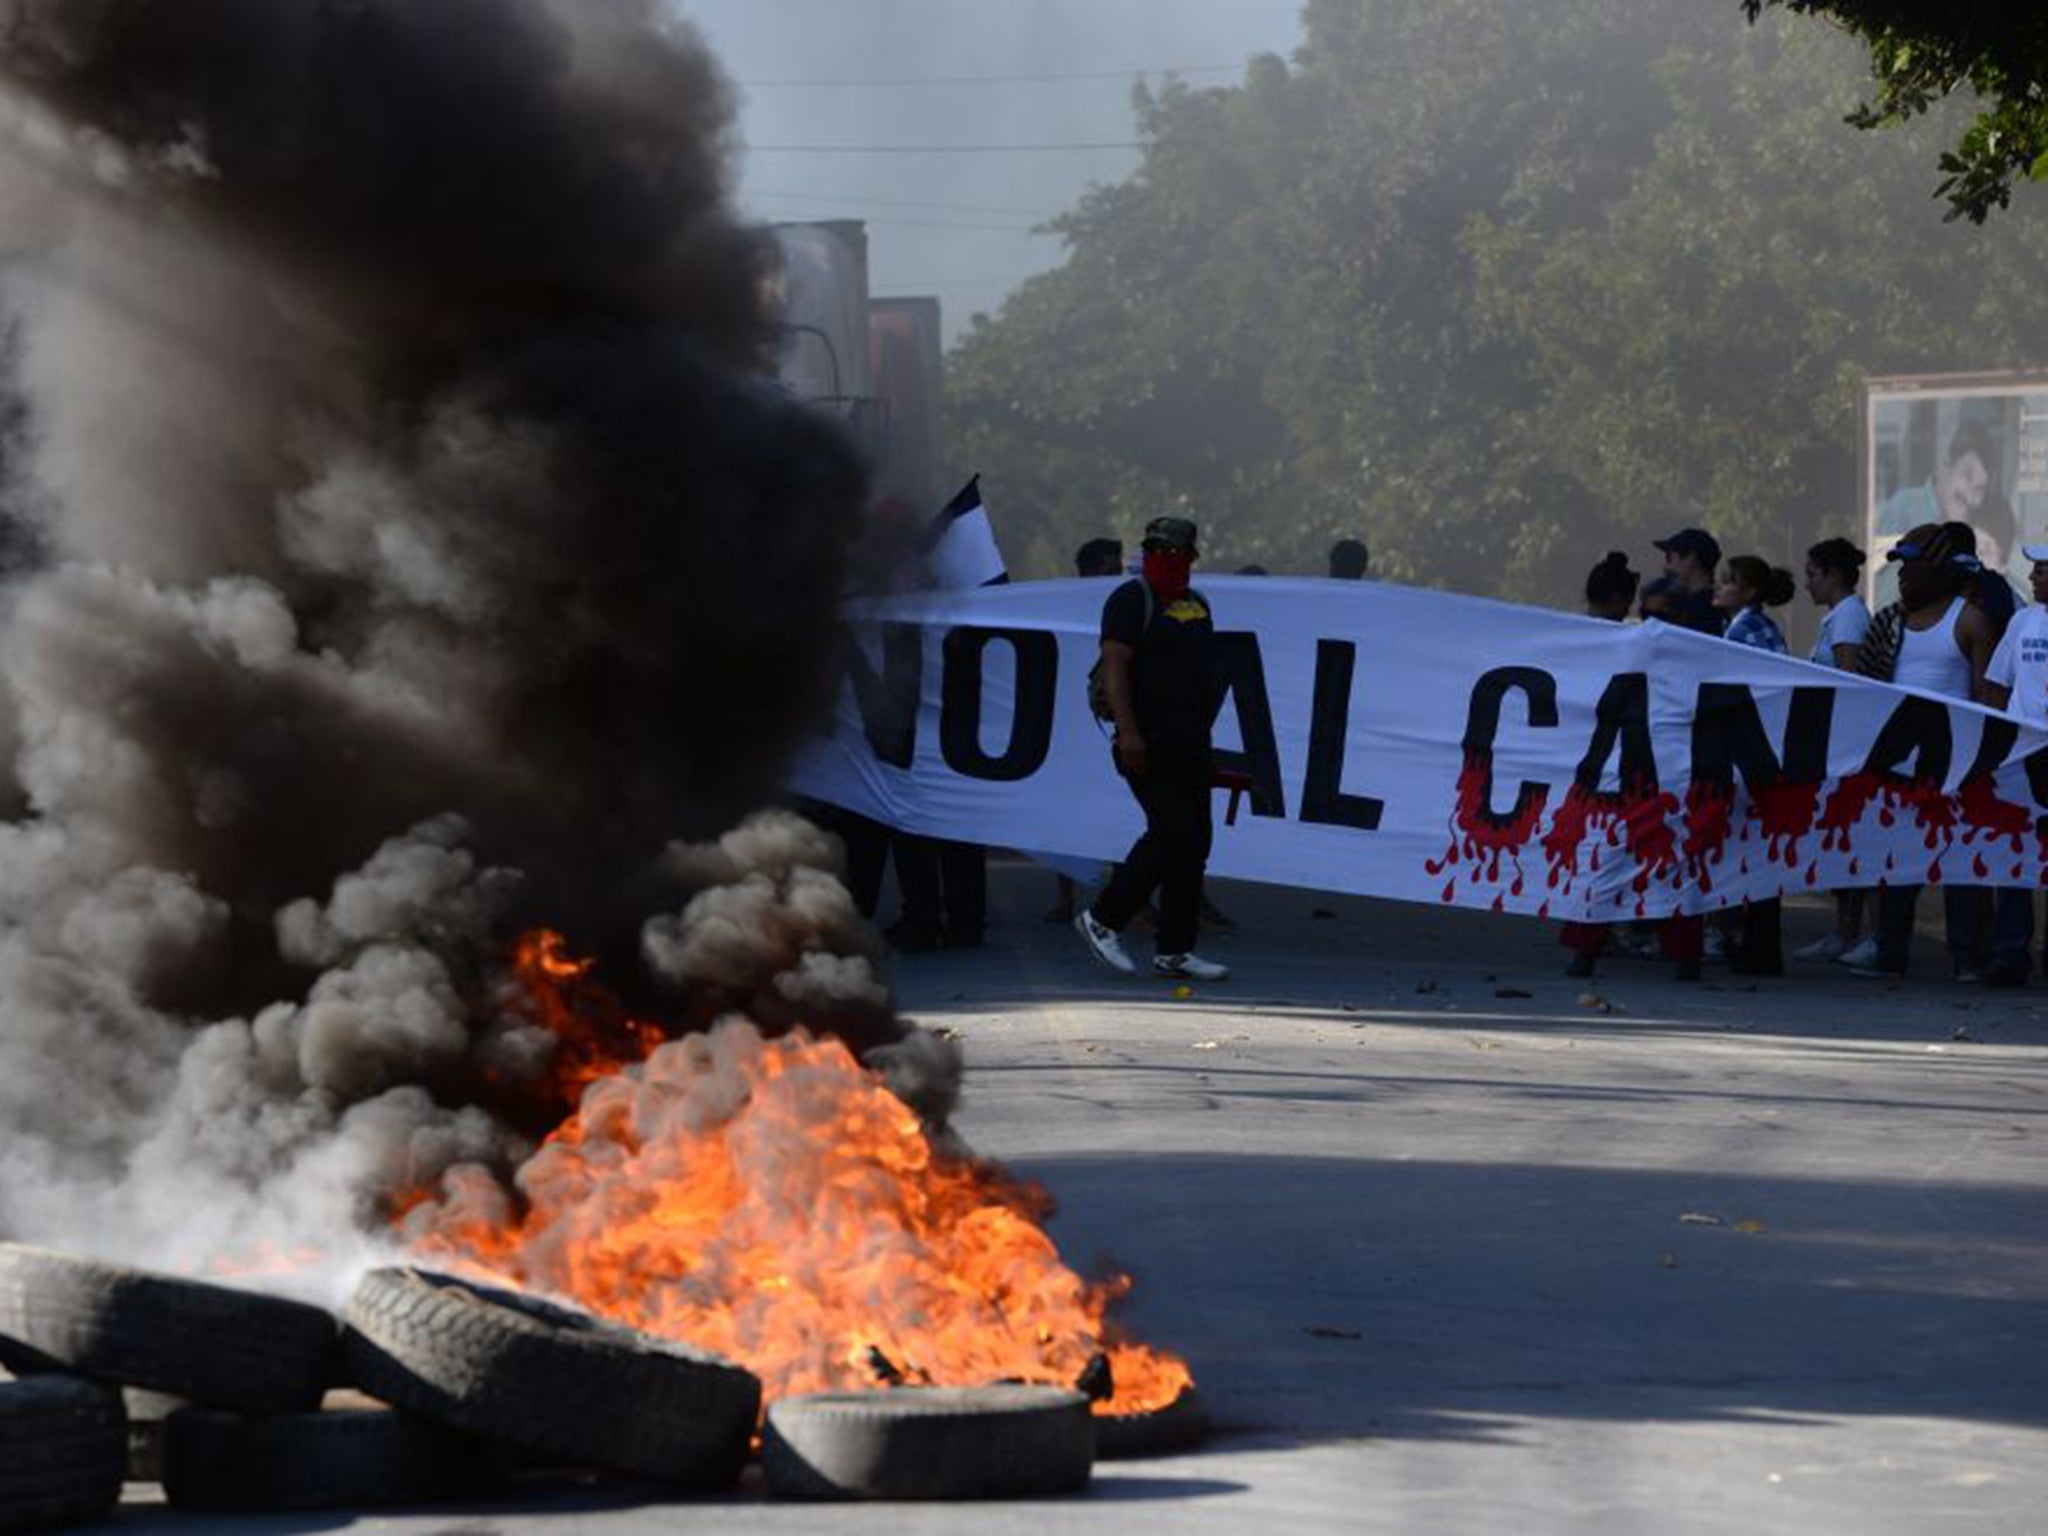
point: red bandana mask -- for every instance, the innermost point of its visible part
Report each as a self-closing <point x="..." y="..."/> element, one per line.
<point x="1167" y="571"/>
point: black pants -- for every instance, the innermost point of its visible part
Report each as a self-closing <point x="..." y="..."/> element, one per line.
<point x="944" y="885"/>
<point x="1763" y="933"/>
<point x="2007" y="946"/>
<point x="1175" y="794"/>
<point x="867" y="850"/>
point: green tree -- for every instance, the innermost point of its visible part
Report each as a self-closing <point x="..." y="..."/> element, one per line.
<point x="1921" y="54"/>
<point x="1703" y="347"/>
<point x="1500" y="287"/>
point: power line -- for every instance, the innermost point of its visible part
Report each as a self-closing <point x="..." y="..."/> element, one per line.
<point x="913" y="203"/>
<point x="984" y="281"/>
<point x="1044" y="79"/>
<point x="890" y="222"/>
<point x="938" y="149"/>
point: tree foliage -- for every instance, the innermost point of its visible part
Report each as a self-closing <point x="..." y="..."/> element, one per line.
<point x="1499" y="288"/>
<point x="1922" y="53"/>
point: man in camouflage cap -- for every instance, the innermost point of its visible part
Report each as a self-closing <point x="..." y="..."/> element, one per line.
<point x="1160" y="674"/>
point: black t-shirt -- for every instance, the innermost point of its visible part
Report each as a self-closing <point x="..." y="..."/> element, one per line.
<point x="1174" y="676"/>
<point x="1700" y="613"/>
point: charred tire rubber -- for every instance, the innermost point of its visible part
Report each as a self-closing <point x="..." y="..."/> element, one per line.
<point x="63" y="1449"/>
<point x="553" y="1382"/>
<point x="357" y="1458"/>
<point x="1181" y="1425"/>
<point x="128" y="1327"/>
<point x="1009" y="1442"/>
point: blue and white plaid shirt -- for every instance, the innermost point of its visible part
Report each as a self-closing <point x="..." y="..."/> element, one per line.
<point x="1756" y="628"/>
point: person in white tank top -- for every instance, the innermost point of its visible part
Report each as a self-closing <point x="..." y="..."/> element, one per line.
<point x="1944" y="644"/>
<point x="1936" y="659"/>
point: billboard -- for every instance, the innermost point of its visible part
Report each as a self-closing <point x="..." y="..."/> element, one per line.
<point x="1969" y="448"/>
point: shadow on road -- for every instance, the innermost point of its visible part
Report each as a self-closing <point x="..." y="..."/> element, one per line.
<point x="1326" y="1298"/>
<point x="1341" y="958"/>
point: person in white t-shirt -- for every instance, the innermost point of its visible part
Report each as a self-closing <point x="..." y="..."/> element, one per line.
<point x="1834" y="572"/>
<point x="2016" y="681"/>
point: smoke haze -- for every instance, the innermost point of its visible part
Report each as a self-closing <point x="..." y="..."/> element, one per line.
<point x="413" y="561"/>
<point x="959" y="225"/>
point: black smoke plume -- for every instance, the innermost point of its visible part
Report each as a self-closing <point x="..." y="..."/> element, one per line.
<point x="413" y="555"/>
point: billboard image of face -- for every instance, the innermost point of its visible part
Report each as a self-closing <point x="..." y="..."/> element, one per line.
<point x="1967" y="450"/>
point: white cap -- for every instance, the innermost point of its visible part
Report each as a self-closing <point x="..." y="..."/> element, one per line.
<point x="2035" y="551"/>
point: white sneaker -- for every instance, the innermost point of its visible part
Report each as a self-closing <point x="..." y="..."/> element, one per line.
<point x="1189" y="968"/>
<point x="1716" y="949"/>
<point x="1103" y="943"/>
<point x="1828" y="946"/>
<point x="1861" y="955"/>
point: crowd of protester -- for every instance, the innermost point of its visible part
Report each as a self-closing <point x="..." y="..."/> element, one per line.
<point x="1955" y="629"/>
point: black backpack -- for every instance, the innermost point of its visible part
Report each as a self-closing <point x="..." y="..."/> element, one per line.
<point x="1098" y="690"/>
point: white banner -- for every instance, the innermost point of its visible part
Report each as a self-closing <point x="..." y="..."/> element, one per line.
<point x="1430" y="747"/>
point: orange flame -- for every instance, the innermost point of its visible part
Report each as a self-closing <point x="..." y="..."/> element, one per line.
<point x="595" y="1035"/>
<point x="265" y="1260"/>
<point x="772" y="1201"/>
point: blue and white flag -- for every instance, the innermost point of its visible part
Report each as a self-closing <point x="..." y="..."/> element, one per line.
<point x="963" y="544"/>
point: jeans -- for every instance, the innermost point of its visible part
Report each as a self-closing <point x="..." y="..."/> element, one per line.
<point x="1172" y="854"/>
<point x="2010" y="939"/>
<point x="2012" y="929"/>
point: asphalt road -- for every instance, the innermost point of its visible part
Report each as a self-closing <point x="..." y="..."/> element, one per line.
<point x="1455" y="1244"/>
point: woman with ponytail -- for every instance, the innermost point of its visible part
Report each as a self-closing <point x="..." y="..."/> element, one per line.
<point x="1750" y="585"/>
<point x="1611" y="588"/>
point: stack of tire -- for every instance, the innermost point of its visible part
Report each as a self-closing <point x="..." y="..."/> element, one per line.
<point x="432" y="1388"/>
<point x="240" y="1401"/>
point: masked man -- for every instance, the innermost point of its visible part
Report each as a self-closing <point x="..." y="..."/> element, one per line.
<point x="1164" y="685"/>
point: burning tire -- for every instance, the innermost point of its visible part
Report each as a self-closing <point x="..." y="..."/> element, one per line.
<point x="128" y="1327"/>
<point x="1181" y="1425"/>
<point x="352" y="1458"/>
<point x="63" y="1447"/>
<point x="550" y="1381"/>
<point x="1007" y="1442"/>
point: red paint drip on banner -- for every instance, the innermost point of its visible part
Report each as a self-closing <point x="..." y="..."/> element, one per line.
<point x="1785" y="811"/>
<point x="1684" y="851"/>
<point x="1487" y="845"/>
<point x="1637" y="820"/>
<point x="1986" y="815"/>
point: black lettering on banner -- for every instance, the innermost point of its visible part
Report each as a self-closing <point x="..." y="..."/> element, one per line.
<point x="2037" y="785"/>
<point x="960" y="699"/>
<point x="1244" y="688"/>
<point x="1323" y="801"/>
<point x="1482" y="726"/>
<point x="1623" y="716"/>
<point x="1728" y="738"/>
<point x="888" y="703"/>
<point x="1992" y="747"/>
<point x="1917" y="729"/>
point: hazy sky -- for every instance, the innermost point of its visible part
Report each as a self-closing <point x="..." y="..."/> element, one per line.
<point x="957" y="225"/>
